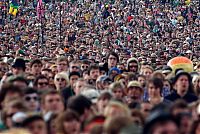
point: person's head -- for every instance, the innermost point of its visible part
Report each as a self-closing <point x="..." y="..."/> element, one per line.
<point x="103" y="100"/>
<point x="81" y="105"/>
<point x="197" y="86"/>
<point x="62" y="64"/>
<point x="68" y="123"/>
<point x="114" y="125"/>
<point x="11" y="108"/>
<point x="93" y="72"/>
<point x="35" y="124"/>
<point x="147" y="71"/>
<point x="134" y="91"/>
<point x="9" y="92"/>
<point x="41" y="82"/>
<point x="145" y="108"/>
<point x="155" y="86"/>
<point x="19" y="66"/>
<point x="52" y="101"/>
<point x="133" y="65"/>
<point x="73" y="77"/>
<point x="178" y="107"/>
<point x="46" y="72"/>
<point x="160" y="122"/>
<point x="142" y="80"/>
<point x="112" y="59"/>
<point x="116" y="108"/>
<point x="36" y="66"/>
<point x="3" y="68"/>
<point x="79" y="85"/>
<point x="118" y="90"/>
<point x="182" y="82"/>
<point x="85" y="64"/>
<point x="18" y="81"/>
<point x="61" y="80"/>
<point x="31" y="99"/>
<point x="74" y="66"/>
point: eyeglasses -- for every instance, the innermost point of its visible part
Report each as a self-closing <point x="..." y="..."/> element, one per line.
<point x="60" y="79"/>
<point x="84" y="67"/>
<point x="75" y="67"/>
<point x="43" y="83"/>
<point x="133" y="66"/>
<point x="28" y="98"/>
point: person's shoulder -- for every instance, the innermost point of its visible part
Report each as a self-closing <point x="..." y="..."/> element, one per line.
<point x="171" y="96"/>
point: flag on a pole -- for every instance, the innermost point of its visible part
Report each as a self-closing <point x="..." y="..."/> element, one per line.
<point x="40" y="10"/>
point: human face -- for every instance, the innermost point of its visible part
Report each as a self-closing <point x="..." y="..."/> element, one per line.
<point x="118" y="94"/>
<point x="133" y="67"/>
<point x="84" y="66"/>
<point x="20" y="84"/>
<point x="147" y="72"/>
<point x="60" y="83"/>
<point x="36" y="69"/>
<point x="42" y="84"/>
<point x="141" y="80"/>
<point x="135" y="93"/>
<point x="72" y="127"/>
<point x="112" y="61"/>
<point x="37" y="127"/>
<point x="53" y="103"/>
<point x="94" y="74"/>
<point x="74" y="68"/>
<point x="73" y="79"/>
<point x="31" y="101"/>
<point x="146" y="108"/>
<point x="166" y="128"/>
<point x="62" y="66"/>
<point x="17" y="71"/>
<point x="153" y="91"/>
<point x="78" y="87"/>
<point x="182" y="85"/>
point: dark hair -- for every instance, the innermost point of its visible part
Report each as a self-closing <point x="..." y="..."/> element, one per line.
<point x="114" y="54"/>
<point x="91" y="67"/>
<point x="74" y="73"/>
<point x="31" y="119"/>
<point x="178" y="104"/>
<point x="30" y="90"/>
<point x="158" y="83"/>
<point x="79" y="104"/>
<point x="36" y="61"/>
<point x="195" y="126"/>
<point x="6" y="88"/>
<point x="104" y="96"/>
<point x="38" y="78"/>
<point x="68" y="115"/>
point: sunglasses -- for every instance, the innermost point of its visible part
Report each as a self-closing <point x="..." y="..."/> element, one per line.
<point x="43" y="83"/>
<point x="28" y="98"/>
<point x="60" y="79"/>
<point x="84" y="66"/>
<point x="75" y="67"/>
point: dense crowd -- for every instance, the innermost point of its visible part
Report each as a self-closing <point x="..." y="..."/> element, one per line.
<point x="98" y="66"/>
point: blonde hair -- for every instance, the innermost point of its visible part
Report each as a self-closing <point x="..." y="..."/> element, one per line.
<point x="62" y="75"/>
<point x="124" y="110"/>
<point x="115" y="85"/>
<point x="16" y="131"/>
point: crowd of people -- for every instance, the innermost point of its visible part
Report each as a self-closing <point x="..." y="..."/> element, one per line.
<point x="98" y="66"/>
